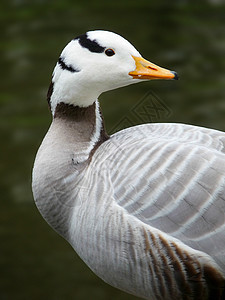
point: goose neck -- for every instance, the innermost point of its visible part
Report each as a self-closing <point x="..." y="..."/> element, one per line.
<point x="82" y="125"/>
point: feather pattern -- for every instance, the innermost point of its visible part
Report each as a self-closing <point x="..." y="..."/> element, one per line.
<point x="178" y="187"/>
<point x="155" y="222"/>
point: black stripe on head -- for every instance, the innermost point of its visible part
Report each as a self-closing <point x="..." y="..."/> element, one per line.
<point x="91" y="45"/>
<point x="64" y="66"/>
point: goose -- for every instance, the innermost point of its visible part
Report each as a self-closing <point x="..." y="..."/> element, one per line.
<point x="144" y="208"/>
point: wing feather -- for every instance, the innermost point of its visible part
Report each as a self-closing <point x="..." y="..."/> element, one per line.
<point x="172" y="177"/>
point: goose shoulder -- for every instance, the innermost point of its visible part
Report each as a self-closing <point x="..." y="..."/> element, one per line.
<point x="174" y="181"/>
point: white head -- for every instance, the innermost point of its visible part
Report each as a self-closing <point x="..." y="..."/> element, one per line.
<point x="96" y="62"/>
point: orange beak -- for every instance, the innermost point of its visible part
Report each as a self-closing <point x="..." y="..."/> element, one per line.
<point x="147" y="70"/>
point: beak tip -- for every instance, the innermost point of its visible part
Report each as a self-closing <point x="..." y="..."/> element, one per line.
<point x="176" y="77"/>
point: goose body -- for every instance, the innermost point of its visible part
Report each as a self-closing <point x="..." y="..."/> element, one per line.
<point x="145" y="207"/>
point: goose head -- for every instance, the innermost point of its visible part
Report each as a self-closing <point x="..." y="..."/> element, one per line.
<point x="95" y="62"/>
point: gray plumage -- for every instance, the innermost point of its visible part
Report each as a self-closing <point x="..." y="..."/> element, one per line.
<point x="144" y="208"/>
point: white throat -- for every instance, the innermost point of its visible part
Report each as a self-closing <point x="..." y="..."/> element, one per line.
<point x="71" y="91"/>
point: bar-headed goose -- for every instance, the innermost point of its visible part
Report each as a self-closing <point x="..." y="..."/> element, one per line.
<point x="145" y="207"/>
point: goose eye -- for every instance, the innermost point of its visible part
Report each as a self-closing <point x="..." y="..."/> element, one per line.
<point x="109" y="52"/>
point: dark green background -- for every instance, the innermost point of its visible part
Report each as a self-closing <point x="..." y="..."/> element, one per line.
<point x="186" y="36"/>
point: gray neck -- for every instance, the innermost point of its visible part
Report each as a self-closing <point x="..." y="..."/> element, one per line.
<point x="84" y="126"/>
<point x="67" y="149"/>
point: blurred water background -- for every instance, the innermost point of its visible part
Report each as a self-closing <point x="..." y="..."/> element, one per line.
<point x="186" y="36"/>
